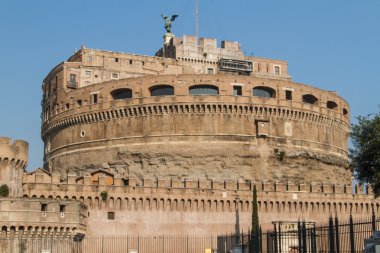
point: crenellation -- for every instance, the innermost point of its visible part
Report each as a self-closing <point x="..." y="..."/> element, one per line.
<point x="280" y="187"/>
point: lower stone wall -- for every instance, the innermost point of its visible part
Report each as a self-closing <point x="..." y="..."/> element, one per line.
<point x="203" y="207"/>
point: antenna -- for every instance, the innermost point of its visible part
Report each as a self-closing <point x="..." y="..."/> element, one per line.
<point x="196" y="19"/>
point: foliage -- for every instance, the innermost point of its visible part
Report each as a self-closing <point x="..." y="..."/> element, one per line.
<point x="365" y="154"/>
<point x="4" y="190"/>
<point x="104" y="195"/>
<point x="255" y="233"/>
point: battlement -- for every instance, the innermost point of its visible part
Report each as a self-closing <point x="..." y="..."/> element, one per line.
<point x="14" y="150"/>
<point x="102" y="179"/>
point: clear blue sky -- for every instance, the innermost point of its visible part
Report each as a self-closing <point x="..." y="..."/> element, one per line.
<point x="331" y="44"/>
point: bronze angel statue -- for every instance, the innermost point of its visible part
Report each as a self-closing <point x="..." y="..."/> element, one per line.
<point x="168" y="22"/>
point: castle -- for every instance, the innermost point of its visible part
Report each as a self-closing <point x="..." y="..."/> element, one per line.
<point x="174" y="144"/>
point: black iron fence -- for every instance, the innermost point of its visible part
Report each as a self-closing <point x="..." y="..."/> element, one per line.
<point x="303" y="237"/>
<point x="286" y="237"/>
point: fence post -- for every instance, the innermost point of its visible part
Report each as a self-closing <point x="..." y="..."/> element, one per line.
<point x="275" y="239"/>
<point x="299" y="236"/>
<point x="304" y="238"/>
<point x="373" y="220"/>
<point x="313" y="240"/>
<point x="331" y="235"/>
<point x="261" y="240"/>
<point x="337" y="234"/>
<point x="352" y="237"/>
<point x="279" y="238"/>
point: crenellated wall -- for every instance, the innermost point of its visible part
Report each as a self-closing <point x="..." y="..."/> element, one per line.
<point x="13" y="161"/>
<point x="152" y="206"/>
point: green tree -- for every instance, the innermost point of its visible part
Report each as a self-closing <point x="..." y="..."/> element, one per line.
<point x="104" y="195"/>
<point x="4" y="190"/>
<point x="365" y="154"/>
<point x="255" y="232"/>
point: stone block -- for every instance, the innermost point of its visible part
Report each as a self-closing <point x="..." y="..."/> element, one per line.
<point x="55" y="178"/>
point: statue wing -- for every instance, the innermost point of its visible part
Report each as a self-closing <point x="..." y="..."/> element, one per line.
<point x="173" y="17"/>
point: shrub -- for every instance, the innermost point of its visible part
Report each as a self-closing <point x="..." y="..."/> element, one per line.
<point x="4" y="190"/>
<point x="104" y="195"/>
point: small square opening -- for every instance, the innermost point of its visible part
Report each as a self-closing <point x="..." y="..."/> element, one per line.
<point x="62" y="208"/>
<point x="111" y="215"/>
<point x="44" y="207"/>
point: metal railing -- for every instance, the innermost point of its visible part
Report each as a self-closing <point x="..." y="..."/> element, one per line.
<point x="303" y="237"/>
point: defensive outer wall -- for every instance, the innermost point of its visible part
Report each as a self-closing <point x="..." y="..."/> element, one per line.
<point x="202" y="207"/>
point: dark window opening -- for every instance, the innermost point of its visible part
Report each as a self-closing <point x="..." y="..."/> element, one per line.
<point x="237" y="90"/>
<point x="277" y="70"/>
<point x="79" y="102"/>
<point x="143" y="63"/>
<point x="121" y="94"/>
<point x="345" y="112"/>
<point x="94" y="98"/>
<point x="73" y="77"/>
<point x="288" y="95"/>
<point x="62" y="208"/>
<point x="130" y="61"/>
<point x="210" y="71"/>
<point x="126" y="182"/>
<point x="204" y="90"/>
<point x="111" y="215"/>
<point x="116" y="59"/>
<point x="331" y="105"/>
<point x="309" y="99"/>
<point x="264" y="92"/>
<point x="67" y="106"/>
<point x="72" y="83"/>
<point x="161" y="90"/>
<point x="44" y="207"/>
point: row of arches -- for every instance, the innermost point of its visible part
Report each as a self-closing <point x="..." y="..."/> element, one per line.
<point x="13" y="162"/>
<point x="206" y="89"/>
<point x="221" y="205"/>
<point x="12" y="232"/>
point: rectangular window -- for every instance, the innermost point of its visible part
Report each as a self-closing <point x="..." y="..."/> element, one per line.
<point x="116" y="59"/>
<point x="62" y="208"/>
<point x="210" y="71"/>
<point x="130" y="61"/>
<point x="44" y="207"/>
<point x="114" y="75"/>
<point x="73" y="77"/>
<point x="111" y="215"/>
<point x="87" y="72"/>
<point x="94" y="98"/>
<point x="237" y="91"/>
<point x="288" y="95"/>
<point x="277" y="70"/>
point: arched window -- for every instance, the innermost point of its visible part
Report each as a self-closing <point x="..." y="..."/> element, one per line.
<point x="161" y="90"/>
<point x="121" y="93"/>
<point x="310" y="99"/>
<point x="264" y="92"/>
<point x="345" y="112"/>
<point x="203" y="89"/>
<point x="331" y="105"/>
